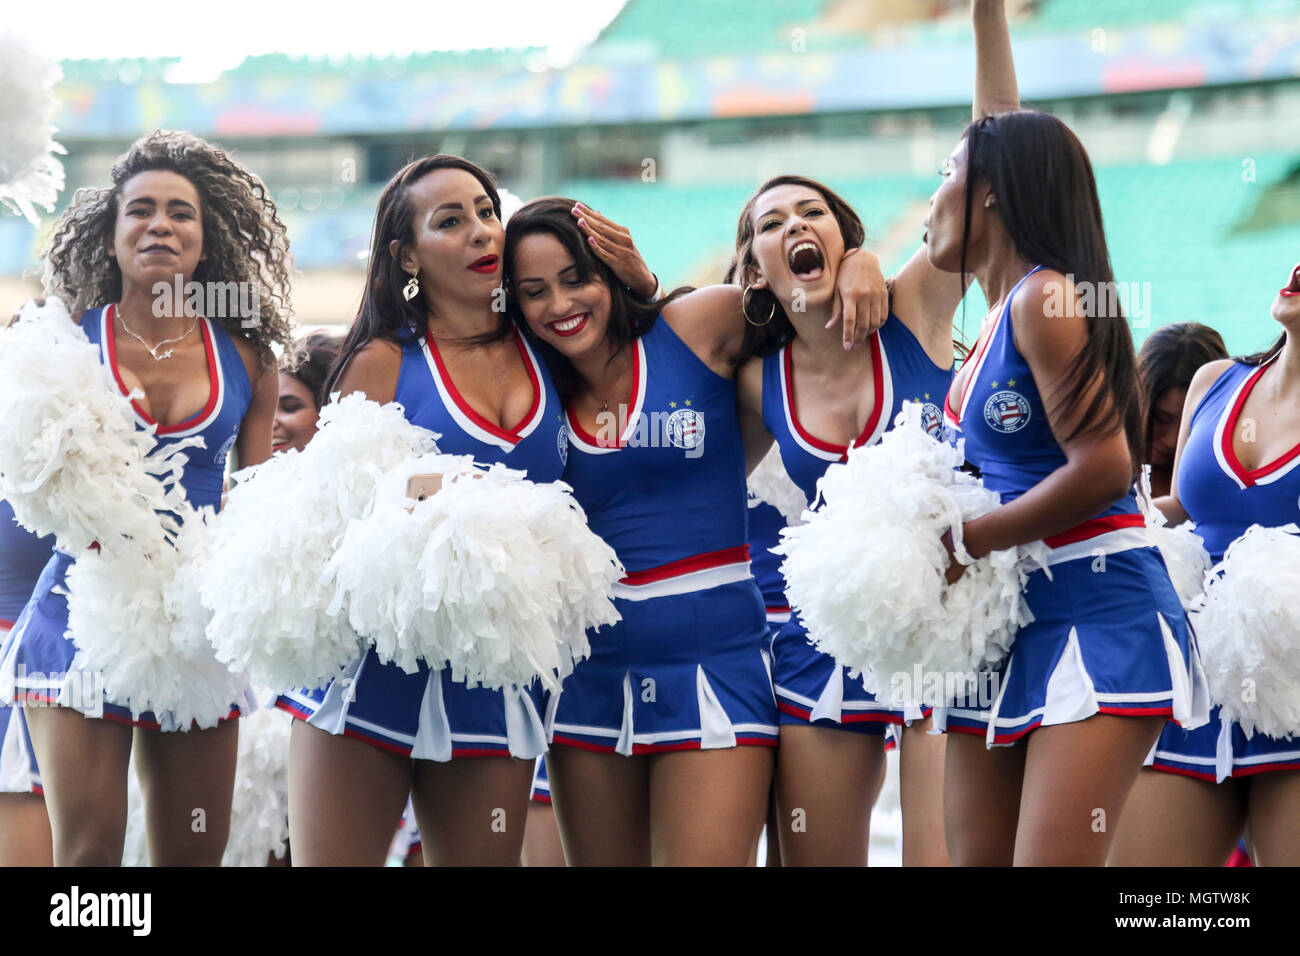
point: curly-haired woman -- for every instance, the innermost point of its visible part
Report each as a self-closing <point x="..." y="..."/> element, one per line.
<point x="181" y="225"/>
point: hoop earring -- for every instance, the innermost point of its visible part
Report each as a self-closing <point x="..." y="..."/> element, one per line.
<point x="412" y="288"/>
<point x="744" y="308"/>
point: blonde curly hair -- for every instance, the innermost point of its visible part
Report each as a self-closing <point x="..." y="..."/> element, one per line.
<point x="243" y="237"/>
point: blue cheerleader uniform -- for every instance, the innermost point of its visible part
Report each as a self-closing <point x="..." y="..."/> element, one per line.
<point x="765" y="524"/>
<point x="1109" y="635"/>
<point x="1224" y="499"/>
<point x="810" y="687"/>
<point x="37" y="662"/>
<point x="541" y="783"/>
<point x="664" y="484"/>
<point x="22" y="556"/>
<point x="427" y="715"/>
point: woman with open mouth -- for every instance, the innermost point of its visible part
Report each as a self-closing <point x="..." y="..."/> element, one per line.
<point x="1237" y="464"/>
<point x="1047" y="404"/>
<point x="179" y="210"/>
<point x="661" y="740"/>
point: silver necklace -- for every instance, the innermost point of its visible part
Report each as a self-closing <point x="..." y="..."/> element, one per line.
<point x="153" y="349"/>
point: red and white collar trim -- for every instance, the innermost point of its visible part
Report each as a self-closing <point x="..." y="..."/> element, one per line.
<point x="216" y="379"/>
<point x="956" y="417"/>
<point x="470" y="420"/>
<point x="1227" y="455"/>
<point x="584" y="441"/>
<point x="883" y="385"/>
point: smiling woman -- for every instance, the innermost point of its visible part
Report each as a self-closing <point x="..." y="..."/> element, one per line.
<point x="178" y="210"/>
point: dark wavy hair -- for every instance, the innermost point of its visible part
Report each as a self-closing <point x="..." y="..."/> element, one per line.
<point x="244" y="240"/>
<point x="1168" y="359"/>
<point x="309" y="360"/>
<point x="384" y="313"/>
<point x="764" y="335"/>
<point x="629" y="318"/>
<point x="1046" y="197"/>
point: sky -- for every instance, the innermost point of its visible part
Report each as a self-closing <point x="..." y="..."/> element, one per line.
<point x="209" y="42"/>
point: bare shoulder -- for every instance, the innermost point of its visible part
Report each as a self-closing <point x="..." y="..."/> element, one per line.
<point x="373" y="370"/>
<point x="702" y="304"/>
<point x="710" y="322"/>
<point x="252" y="359"/>
<point x="1205" y="377"/>
<point x="1045" y="316"/>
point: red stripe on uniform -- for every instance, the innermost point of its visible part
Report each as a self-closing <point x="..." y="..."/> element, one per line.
<point x="1093" y="528"/>
<point x="696" y="562"/>
<point x="479" y="752"/>
<point x="377" y="742"/>
<point x="1183" y="771"/>
<point x="1262" y="767"/>
<point x="1136" y="711"/>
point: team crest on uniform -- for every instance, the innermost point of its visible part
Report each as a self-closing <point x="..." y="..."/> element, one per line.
<point x="562" y="442"/>
<point x="1006" y="412"/>
<point x="224" y="450"/>
<point x="932" y="420"/>
<point x="685" y="428"/>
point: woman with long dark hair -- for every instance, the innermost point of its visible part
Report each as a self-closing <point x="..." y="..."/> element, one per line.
<point x="817" y="401"/>
<point x="1047" y="403"/>
<point x="1167" y="362"/>
<point x="1237" y="464"/>
<point x="430" y="334"/>
<point x="179" y="211"/>
<point x="661" y="739"/>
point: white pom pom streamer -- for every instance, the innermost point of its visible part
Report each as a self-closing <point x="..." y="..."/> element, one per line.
<point x="770" y="484"/>
<point x="259" y="812"/>
<point x="72" y="460"/>
<point x="494" y="576"/>
<point x="1183" y="550"/>
<point x="265" y="580"/>
<point x="1249" y="631"/>
<point x="867" y="570"/>
<point x="144" y="657"/>
<point x="30" y="175"/>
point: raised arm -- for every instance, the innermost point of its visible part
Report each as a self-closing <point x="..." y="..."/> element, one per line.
<point x="924" y="297"/>
<point x="995" y="69"/>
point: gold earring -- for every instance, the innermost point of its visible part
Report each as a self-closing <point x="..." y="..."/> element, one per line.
<point x="744" y="308"/>
<point x="412" y="288"/>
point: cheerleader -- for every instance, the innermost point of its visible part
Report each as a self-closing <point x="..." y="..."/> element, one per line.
<point x="179" y="211"/>
<point x="303" y="370"/>
<point x="24" y="824"/>
<point x="1237" y="464"/>
<point x="661" y="740"/>
<point x="1047" y="405"/>
<point x="1168" y="359"/>
<point x="428" y="337"/>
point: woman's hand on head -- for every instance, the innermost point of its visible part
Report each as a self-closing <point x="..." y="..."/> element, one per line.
<point x="613" y="244"/>
<point x="861" y="297"/>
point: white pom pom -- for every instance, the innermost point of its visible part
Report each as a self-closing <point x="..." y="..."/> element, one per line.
<point x="494" y="576"/>
<point x="259" y="812"/>
<point x="867" y="570"/>
<point x="510" y="204"/>
<point x="770" y="484"/>
<point x="265" y="580"/>
<point x="29" y="173"/>
<point x="72" y="460"/>
<point x="1183" y="550"/>
<point x="1247" y="631"/>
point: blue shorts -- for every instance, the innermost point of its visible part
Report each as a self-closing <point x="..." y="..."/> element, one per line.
<point x="811" y="689"/>
<point x="36" y="661"/>
<point x="1218" y="751"/>
<point x="681" y="672"/>
<point x="1109" y="636"/>
<point x="425" y="715"/>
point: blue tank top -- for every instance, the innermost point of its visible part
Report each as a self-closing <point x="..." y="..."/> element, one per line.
<point x="664" y="481"/>
<point x="537" y="445"/>
<point x="1216" y="491"/>
<point x="230" y="394"/>
<point x="901" y="371"/>
<point x="22" y="557"/>
<point x="1002" y="419"/>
